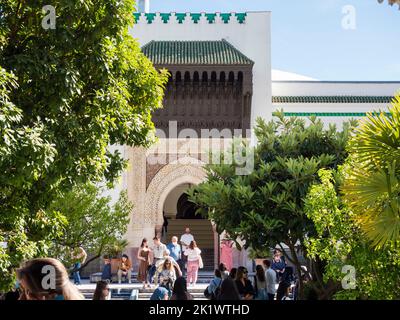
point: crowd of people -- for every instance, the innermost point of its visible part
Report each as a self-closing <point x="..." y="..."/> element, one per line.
<point x="273" y="280"/>
<point x="160" y="264"/>
<point x="170" y="269"/>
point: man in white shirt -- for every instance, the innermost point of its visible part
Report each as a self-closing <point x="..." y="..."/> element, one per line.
<point x="185" y="240"/>
<point x="271" y="279"/>
<point x="159" y="251"/>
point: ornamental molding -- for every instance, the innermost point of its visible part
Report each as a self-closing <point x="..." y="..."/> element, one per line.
<point x="168" y="178"/>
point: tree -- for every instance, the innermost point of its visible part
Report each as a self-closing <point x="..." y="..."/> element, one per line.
<point x="92" y="222"/>
<point x="391" y="2"/>
<point x="67" y="94"/>
<point x="266" y="208"/>
<point x="372" y="185"/>
<point x="340" y="242"/>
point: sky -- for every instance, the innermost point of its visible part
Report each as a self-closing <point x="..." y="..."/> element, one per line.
<point x="308" y="36"/>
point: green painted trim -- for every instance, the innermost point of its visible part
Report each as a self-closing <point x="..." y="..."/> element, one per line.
<point x="150" y="17"/>
<point x="165" y="17"/>
<point x="211" y="17"/>
<point x="137" y="16"/>
<point x="195" y="17"/>
<point x="325" y="114"/>
<point x="331" y="99"/>
<point x="241" y="17"/>
<point x="225" y="17"/>
<point x="180" y="17"/>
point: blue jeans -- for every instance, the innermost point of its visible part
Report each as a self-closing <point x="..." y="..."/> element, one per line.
<point x="76" y="275"/>
<point x="262" y="294"/>
<point x="152" y="271"/>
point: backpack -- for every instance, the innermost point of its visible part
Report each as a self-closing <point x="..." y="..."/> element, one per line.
<point x="213" y="295"/>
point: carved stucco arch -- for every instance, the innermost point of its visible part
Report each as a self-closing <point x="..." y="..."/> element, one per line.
<point x="168" y="178"/>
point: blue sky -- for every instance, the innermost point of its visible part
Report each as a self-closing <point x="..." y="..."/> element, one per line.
<point x="308" y="37"/>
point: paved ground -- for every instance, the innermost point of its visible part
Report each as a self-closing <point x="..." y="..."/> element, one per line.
<point x="134" y="291"/>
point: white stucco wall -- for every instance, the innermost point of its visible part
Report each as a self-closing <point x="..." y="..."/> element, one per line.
<point x="252" y="38"/>
<point x="334" y="88"/>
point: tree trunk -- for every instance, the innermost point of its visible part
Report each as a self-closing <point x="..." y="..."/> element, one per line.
<point x="297" y="264"/>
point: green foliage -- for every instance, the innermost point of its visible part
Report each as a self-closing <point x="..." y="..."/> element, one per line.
<point x="372" y="185"/>
<point x="339" y="241"/>
<point x="66" y="95"/>
<point x="266" y="207"/>
<point x="92" y="222"/>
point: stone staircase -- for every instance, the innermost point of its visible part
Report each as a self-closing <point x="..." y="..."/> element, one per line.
<point x="203" y="235"/>
<point x="127" y="291"/>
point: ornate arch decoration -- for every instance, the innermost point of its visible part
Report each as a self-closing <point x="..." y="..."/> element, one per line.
<point x="169" y="177"/>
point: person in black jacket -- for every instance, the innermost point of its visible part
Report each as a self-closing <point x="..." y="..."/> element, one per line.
<point x="243" y="284"/>
<point x="228" y="290"/>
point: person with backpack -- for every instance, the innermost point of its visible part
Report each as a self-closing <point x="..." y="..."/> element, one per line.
<point x="213" y="289"/>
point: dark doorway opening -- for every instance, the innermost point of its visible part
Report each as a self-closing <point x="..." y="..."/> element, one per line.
<point x="186" y="209"/>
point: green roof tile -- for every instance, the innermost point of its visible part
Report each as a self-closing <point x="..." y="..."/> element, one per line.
<point x="241" y="17"/>
<point x="165" y="17"/>
<point x="195" y="17"/>
<point x="150" y="17"/>
<point x="211" y="17"/>
<point x="180" y="17"/>
<point x="225" y="17"/>
<point x="194" y="53"/>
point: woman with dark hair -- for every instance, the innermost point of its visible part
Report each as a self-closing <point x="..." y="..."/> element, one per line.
<point x="232" y="273"/>
<point x="193" y="254"/>
<point x="180" y="290"/>
<point x="224" y="270"/>
<point x="102" y="291"/>
<point x="260" y="284"/>
<point x="243" y="284"/>
<point x="228" y="290"/>
<point x="283" y="291"/>
<point x="143" y="256"/>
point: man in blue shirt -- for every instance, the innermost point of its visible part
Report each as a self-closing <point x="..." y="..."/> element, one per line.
<point x="175" y="252"/>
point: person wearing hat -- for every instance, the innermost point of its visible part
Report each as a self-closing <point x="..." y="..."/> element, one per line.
<point x="124" y="268"/>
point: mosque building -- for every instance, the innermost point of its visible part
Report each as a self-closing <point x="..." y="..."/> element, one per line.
<point x="221" y="80"/>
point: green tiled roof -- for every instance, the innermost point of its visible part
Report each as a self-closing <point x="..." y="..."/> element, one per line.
<point x="325" y="114"/>
<point x="194" y="53"/>
<point x="331" y="99"/>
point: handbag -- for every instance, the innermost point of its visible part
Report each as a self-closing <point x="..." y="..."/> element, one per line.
<point x="201" y="264"/>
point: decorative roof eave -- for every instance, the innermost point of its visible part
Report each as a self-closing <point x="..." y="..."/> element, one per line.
<point x="209" y="18"/>
<point x="332" y="99"/>
<point x="210" y="53"/>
